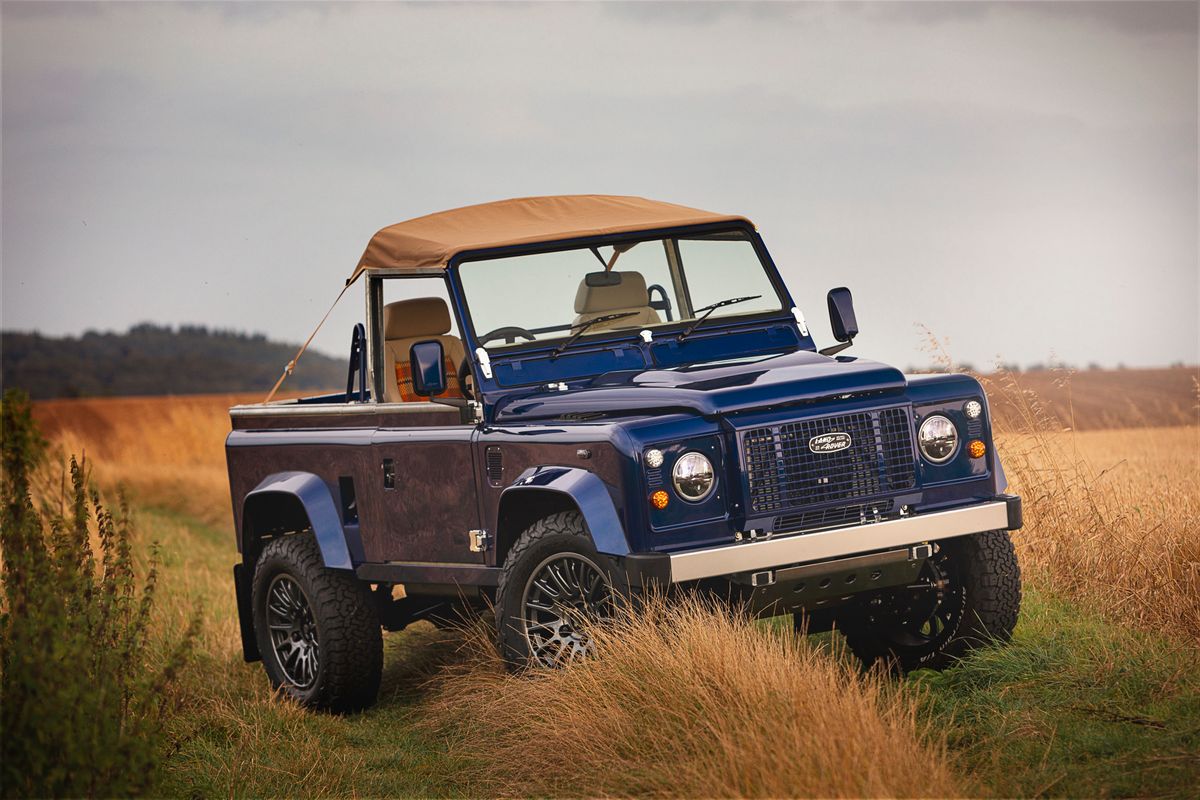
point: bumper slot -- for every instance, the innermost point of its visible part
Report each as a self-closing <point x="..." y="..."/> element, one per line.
<point x="784" y="549"/>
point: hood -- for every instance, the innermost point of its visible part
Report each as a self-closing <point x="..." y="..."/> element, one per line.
<point x="710" y="390"/>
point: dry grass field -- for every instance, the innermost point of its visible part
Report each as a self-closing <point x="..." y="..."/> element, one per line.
<point x="1099" y="694"/>
<point x="1089" y="400"/>
<point x="1109" y="513"/>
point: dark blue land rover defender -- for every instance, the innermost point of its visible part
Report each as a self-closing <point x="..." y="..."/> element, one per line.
<point x="556" y="402"/>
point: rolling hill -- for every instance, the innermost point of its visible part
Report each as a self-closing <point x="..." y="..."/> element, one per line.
<point x="155" y="360"/>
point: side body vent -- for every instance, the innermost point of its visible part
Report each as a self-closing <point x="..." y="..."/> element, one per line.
<point x="494" y="465"/>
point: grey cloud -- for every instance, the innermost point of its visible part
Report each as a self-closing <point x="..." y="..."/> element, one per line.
<point x="1040" y="164"/>
<point x="705" y="13"/>
<point x="1134" y="17"/>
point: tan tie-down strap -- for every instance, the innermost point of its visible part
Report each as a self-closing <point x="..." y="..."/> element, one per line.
<point x="291" y="365"/>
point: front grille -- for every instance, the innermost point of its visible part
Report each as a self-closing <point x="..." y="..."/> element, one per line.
<point x="782" y="471"/>
<point x="832" y="517"/>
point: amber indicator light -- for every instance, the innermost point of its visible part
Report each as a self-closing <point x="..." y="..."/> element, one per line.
<point x="660" y="499"/>
<point x="976" y="448"/>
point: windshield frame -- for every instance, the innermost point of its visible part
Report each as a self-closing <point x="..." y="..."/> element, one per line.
<point x="666" y="329"/>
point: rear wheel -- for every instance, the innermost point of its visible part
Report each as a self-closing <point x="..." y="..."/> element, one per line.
<point x="317" y="629"/>
<point x="553" y="584"/>
<point x="968" y="595"/>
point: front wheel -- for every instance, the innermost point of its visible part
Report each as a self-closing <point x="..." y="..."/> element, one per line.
<point x="552" y="585"/>
<point x="968" y="595"/>
<point x="317" y="629"/>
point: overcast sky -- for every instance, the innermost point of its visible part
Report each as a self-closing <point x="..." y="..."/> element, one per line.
<point x="1022" y="179"/>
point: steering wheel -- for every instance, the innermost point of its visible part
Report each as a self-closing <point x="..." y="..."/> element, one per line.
<point x="464" y="371"/>
<point x="509" y="333"/>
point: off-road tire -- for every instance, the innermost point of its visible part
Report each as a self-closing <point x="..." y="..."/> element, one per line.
<point x="348" y="632"/>
<point x="563" y="532"/>
<point x="985" y="565"/>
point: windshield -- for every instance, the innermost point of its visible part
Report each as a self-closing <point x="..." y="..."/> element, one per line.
<point x="553" y="297"/>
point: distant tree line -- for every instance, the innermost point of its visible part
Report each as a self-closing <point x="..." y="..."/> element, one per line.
<point x="153" y="359"/>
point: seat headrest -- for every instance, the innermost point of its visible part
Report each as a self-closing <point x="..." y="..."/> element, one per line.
<point x="422" y="316"/>
<point x="629" y="293"/>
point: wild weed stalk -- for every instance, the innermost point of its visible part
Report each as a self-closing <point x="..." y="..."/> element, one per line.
<point x="81" y="695"/>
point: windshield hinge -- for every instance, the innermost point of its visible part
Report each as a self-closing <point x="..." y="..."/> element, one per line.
<point x="647" y="336"/>
<point x="485" y="361"/>
<point x="799" y="315"/>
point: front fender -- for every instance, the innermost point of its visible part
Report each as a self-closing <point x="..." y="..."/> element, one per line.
<point x="289" y="492"/>
<point x="588" y="492"/>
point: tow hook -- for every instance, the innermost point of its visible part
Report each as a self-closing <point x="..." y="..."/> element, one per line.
<point x="764" y="578"/>
<point x="920" y="552"/>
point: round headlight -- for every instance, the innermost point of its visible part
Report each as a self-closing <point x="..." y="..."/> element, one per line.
<point x="693" y="477"/>
<point x="938" y="439"/>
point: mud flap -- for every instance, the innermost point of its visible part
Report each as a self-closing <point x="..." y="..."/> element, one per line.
<point x="242" y="588"/>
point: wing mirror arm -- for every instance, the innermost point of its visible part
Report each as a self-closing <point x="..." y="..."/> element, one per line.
<point x="834" y="349"/>
<point x="841" y="319"/>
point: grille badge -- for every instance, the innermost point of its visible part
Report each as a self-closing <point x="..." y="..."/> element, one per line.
<point x="829" y="442"/>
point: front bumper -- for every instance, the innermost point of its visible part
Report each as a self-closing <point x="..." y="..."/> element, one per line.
<point x="783" y="549"/>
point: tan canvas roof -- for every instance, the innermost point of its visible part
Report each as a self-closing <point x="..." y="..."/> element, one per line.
<point x="432" y="240"/>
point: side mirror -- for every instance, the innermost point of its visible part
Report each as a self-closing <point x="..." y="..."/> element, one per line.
<point x="428" y="364"/>
<point x="841" y="314"/>
<point x="841" y="319"/>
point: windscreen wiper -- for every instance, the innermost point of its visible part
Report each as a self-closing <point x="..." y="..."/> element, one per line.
<point x="686" y="332"/>
<point x="582" y="328"/>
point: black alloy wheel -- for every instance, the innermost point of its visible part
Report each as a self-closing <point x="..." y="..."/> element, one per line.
<point x="553" y="585"/>
<point x="563" y="594"/>
<point x="925" y="613"/>
<point x="293" y="631"/>
<point x="967" y="595"/>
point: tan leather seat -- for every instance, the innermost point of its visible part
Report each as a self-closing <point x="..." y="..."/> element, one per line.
<point x="407" y="322"/>
<point x="628" y="295"/>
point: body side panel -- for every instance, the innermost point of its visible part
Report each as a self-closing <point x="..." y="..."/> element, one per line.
<point x="329" y="456"/>
<point x="428" y="514"/>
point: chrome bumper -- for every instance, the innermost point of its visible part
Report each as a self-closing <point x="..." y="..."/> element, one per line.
<point x="784" y="549"/>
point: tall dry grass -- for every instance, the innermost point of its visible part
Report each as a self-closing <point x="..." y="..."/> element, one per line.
<point x="169" y="451"/>
<point x="1109" y="515"/>
<point x="688" y="700"/>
